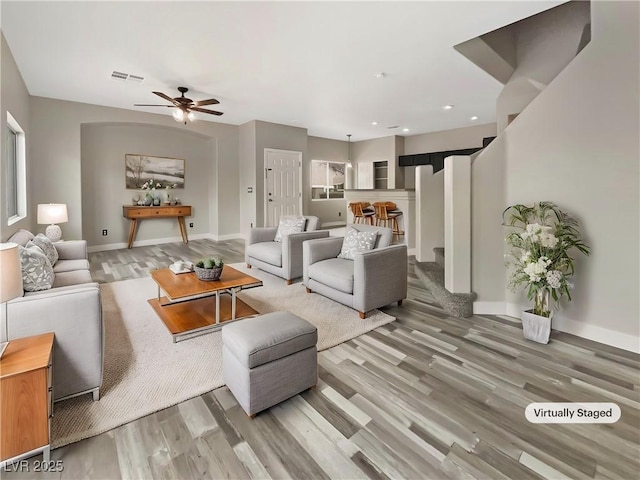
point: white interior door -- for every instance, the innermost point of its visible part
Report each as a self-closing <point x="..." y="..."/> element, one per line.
<point x="282" y="185"/>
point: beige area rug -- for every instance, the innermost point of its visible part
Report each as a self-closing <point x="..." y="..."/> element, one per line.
<point x="145" y="372"/>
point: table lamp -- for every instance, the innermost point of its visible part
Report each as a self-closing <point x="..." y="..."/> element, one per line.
<point x="51" y="214"/>
<point x="10" y="285"/>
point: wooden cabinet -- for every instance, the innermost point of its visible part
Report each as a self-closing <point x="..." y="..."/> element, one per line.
<point x="26" y="397"/>
<point x="135" y="214"/>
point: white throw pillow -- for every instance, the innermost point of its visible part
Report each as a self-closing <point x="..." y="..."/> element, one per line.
<point x="355" y="242"/>
<point x="37" y="272"/>
<point x="289" y="225"/>
<point x="46" y="246"/>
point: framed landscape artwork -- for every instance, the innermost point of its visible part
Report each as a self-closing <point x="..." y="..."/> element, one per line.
<point x="168" y="172"/>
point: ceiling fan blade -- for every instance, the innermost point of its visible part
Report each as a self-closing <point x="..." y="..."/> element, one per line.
<point x="202" y="110"/>
<point x="202" y="103"/>
<point x="167" y="98"/>
<point x="149" y="105"/>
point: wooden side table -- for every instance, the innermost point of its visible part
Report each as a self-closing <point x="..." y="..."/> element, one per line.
<point x="26" y="398"/>
<point x="137" y="214"/>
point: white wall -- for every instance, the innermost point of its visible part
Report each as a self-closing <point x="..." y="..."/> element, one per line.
<point x="429" y="212"/>
<point x="578" y="145"/>
<point x="457" y="138"/>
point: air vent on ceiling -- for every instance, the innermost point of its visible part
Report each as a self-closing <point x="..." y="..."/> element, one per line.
<point x="135" y="79"/>
<point x="119" y="76"/>
<point x="393" y="126"/>
<point x="126" y="77"/>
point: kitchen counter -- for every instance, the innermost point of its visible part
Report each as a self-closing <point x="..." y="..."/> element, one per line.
<point x="405" y="199"/>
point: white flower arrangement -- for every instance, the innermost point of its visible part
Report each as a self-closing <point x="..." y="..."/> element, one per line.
<point x="151" y="185"/>
<point x="541" y="239"/>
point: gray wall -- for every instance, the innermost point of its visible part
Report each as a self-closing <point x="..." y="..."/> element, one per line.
<point x="380" y="150"/>
<point x="578" y="145"/>
<point x="282" y="137"/>
<point x="56" y="149"/>
<point x="330" y="210"/>
<point x="545" y="44"/>
<point x="247" y="176"/>
<point x="103" y="149"/>
<point x="15" y="99"/>
<point x="457" y="138"/>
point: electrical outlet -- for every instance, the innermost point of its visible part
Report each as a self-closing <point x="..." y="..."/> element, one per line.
<point x="104" y="232"/>
<point x="191" y="225"/>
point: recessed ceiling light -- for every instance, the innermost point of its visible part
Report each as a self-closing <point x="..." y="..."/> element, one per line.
<point x="374" y="123"/>
<point x="447" y="107"/>
<point x="473" y="118"/>
<point x="405" y="129"/>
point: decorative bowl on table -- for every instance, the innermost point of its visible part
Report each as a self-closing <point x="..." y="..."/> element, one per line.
<point x="209" y="269"/>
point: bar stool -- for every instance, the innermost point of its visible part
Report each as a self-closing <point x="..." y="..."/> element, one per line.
<point x="386" y="218"/>
<point x="359" y="215"/>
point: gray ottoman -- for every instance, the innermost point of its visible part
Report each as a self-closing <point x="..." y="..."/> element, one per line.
<point x="269" y="359"/>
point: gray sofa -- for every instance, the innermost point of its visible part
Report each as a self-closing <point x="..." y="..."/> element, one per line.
<point x="373" y="279"/>
<point x="284" y="258"/>
<point x="72" y="310"/>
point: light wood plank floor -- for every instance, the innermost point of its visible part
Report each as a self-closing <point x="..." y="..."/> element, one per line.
<point x="428" y="396"/>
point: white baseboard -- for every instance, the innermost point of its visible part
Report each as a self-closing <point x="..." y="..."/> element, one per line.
<point x="157" y="241"/>
<point x="490" y="308"/>
<point x="228" y="236"/>
<point x="579" y="329"/>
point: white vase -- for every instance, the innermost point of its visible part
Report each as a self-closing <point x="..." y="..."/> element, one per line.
<point x="536" y="327"/>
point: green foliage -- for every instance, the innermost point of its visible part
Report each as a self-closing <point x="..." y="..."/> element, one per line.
<point x="210" y="262"/>
<point x="542" y="238"/>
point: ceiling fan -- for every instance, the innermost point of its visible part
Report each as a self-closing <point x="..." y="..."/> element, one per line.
<point x="184" y="107"/>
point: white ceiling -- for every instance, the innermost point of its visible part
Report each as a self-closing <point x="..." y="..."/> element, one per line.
<point x="309" y="64"/>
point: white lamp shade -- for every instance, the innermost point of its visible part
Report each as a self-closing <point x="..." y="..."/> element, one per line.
<point x="51" y="213"/>
<point x="10" y="272"/>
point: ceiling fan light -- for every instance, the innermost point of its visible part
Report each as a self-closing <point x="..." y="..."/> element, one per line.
<point x="178" y="115"/>
<point x="191" y="116"/>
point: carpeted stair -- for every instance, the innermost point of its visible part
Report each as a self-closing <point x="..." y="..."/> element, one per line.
<point x="432" y="275"/>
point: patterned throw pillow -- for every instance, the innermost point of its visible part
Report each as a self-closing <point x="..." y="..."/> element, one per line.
<point x="46" y="246"/>
<point x="289" y="225"/>
<point x="37" y="272"/>
<point x="356" y="242"/>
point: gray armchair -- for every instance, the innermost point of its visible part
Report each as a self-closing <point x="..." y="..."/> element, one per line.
<point x="284" y="258"/>
<point x="373" y="279"/>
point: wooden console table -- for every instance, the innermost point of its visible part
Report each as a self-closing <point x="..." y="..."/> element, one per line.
<point x="136" y="213"/>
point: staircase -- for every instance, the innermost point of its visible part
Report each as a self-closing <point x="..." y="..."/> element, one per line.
<point x="432" y="275"/>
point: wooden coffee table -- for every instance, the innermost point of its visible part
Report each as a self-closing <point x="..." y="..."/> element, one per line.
<point x="191" y="307"/>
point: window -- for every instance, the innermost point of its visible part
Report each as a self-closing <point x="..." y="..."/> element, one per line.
<point x="327" y="179"/>
<point x="15" y="178"/>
